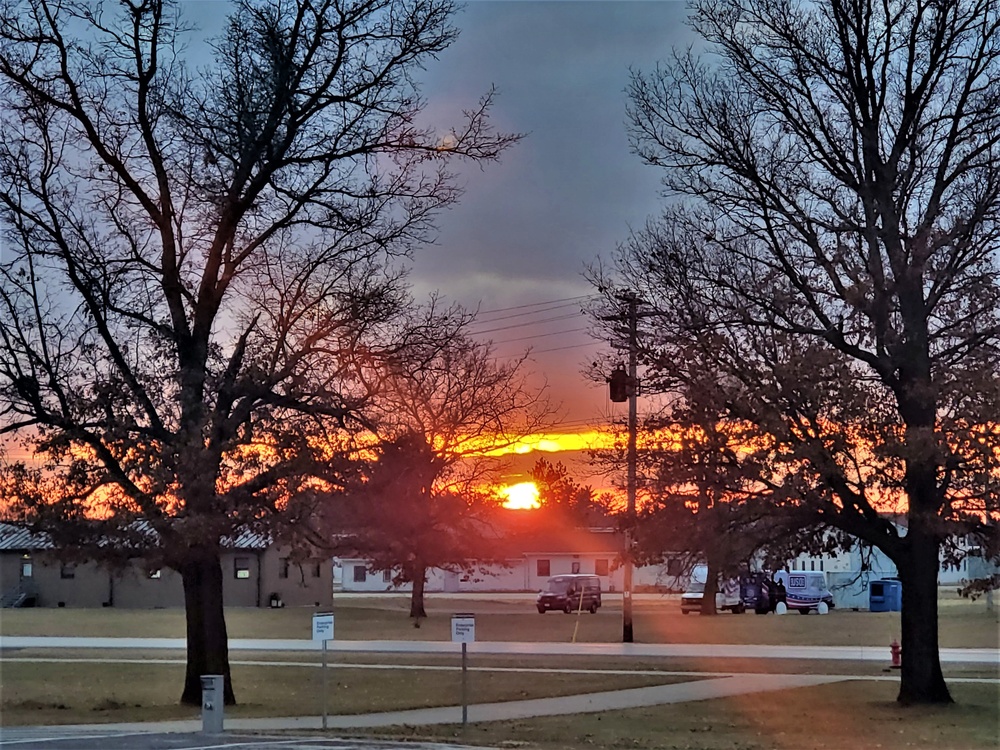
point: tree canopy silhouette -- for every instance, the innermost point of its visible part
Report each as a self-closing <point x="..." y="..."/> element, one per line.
<point x="200" y="261"/>
<point x="831" y="253"/>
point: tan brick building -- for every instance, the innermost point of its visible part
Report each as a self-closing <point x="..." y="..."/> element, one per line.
<point x="256" y="573"/>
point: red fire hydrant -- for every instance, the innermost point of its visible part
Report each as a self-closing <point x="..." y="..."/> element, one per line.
<point x="897" y="654"/>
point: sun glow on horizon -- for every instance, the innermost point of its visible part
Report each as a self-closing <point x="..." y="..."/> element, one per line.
<point x="555" y="443"/>
<point x="521" y="496"/>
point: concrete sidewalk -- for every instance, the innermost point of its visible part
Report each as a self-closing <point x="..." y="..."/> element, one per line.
<point x="174" y="734"/>
<point x="571" y="704"/>
<point x="685" y="650"/>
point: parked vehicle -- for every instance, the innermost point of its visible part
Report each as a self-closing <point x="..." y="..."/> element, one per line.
<point x="755" y="592"/>
<point x="570" y="593"/>
<point x="805" y="589"/>
<point x="726" y="598"/>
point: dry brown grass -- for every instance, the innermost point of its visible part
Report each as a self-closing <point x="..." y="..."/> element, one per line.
<point x="656" y="620"/>
<point x="857" y="714"/>
<point x="94" y="692"/>
<point x="840" y="716"/>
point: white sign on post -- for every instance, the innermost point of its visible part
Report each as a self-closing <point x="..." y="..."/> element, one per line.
<point x="323" y="626"/>
<point x="463" y="628"/>
<point x="323" y="632"/>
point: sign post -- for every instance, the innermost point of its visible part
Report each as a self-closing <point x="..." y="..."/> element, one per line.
<point x="322" y="630"/>
<point x="463" y="630"/>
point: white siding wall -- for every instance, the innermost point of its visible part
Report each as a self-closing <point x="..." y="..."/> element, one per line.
<point x="517" y="575"/>
<point x="499" y="578"/>
<point x="524" y="574"/>
<point x="561" y="563"/>
<point x="657" y="576"/>
<point x="512" y="577"/>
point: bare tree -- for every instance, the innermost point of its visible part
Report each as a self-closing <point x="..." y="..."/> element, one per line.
<point x="833" y="248"/>
<point x="430" y="500"/>
<point x="197" y="263"/>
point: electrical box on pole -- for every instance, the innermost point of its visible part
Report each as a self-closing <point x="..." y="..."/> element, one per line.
<point x="619" y="385"/>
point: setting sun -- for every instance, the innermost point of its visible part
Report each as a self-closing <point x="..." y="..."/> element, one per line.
<point x="521" y="496"/>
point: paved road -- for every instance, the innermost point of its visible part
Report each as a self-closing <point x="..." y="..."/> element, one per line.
<point x="697" y="650"/>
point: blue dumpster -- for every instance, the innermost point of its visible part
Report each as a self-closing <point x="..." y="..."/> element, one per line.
<point x="876" y="597"/>
<point x="885" y="596"/>
<point x="894" y="594"/>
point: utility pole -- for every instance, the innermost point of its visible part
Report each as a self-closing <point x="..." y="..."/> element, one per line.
<point x="628" y="634"/>
<point x="625" y="387"/>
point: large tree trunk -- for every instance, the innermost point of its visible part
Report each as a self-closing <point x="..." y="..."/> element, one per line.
<point x="921" y="680"/>
<point x="417" y="596"/>
<point x="207" y="639"/>
<point x="711" y="587"/>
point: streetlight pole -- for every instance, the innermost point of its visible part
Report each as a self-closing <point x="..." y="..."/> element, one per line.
<point x="628" y="634"/>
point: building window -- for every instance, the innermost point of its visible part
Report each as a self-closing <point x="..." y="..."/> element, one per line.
<point x="27" y="569"/>
<point x="68" y="570"/>
<point x="542" y="568"/>
<point x="821" y="565"/>
<point x="386" y="576"/>
<point x="674" y="567"/>
<point x="317" y="568"/>
<point x="601" y="567"/>
<point x="812" y="565"/>
<point x="283" y="567"/>
<point x="154" y="574"/>
<point x="360" y="574"/>
<point x="574" y="567"/>
<point x="241" y="567"/>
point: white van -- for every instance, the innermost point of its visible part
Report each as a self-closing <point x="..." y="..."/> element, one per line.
<point x="727" y="597"/>
<point x="805" y="590"/>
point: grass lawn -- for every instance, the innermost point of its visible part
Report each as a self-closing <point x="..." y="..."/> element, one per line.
<point x="857" y="714"/>
<point x="85" y="692"/>
<point x="122" y="685"/>
<point x="656" y="620"/>
<point x="840" y="716"/>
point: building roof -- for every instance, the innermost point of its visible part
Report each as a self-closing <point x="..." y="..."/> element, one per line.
<point x="18" y="537"/>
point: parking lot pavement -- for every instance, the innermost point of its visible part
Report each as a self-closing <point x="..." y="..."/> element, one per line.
<point x="76" y="738"/>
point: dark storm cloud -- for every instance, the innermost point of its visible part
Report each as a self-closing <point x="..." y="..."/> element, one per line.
<point x="571" y="189"/>
<point x="567" y="193"/>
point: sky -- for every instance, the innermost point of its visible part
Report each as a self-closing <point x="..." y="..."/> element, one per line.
<point x="565" y="195"/>
<point x="517" y="244"/>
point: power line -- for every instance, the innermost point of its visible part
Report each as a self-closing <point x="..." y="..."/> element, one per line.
<point x="535" y="304"/>
<point x="525" y="324"/>
<point x="540" y="336"/>
<point x="574" y="424"/>
<point x="562" y="348"/>
<point x="532" y="352"/>
<point x="548" y="308"/>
